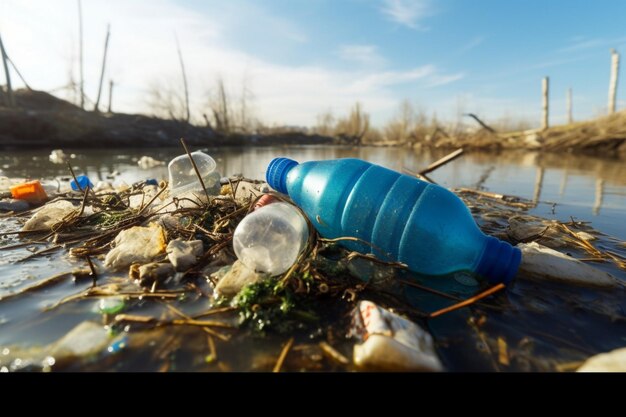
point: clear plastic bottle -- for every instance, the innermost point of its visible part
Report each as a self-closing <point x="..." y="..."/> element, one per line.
<point x="269" y="239"/>
<point x="404" y="219"/>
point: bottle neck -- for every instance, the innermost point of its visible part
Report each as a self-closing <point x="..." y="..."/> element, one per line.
<point x="499" y="261"/>
<point x="276" y="174"/>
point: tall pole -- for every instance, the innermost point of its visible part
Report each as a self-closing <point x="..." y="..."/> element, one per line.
<point x="545" y="87"/>
<point x="80" y="54"/>
<point x="182" y="66"/>
<point x="570" y="117"/>
<point x="10" y="100"/>
<point x="104" y="62"/>
<point x="110" y="95"/>
<point x="613" y="82"/>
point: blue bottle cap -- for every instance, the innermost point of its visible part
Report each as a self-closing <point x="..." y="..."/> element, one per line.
<point x="499" y="262"/>
<point x="276" y="175"/>
<point x="83" y="183"/>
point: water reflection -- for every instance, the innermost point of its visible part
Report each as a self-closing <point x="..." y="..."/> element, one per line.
<point x="585" y="187"/>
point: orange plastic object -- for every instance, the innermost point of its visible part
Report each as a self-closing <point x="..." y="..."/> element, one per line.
<point x="31" y="191"/>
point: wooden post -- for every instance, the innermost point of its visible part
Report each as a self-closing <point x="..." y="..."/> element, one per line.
<point x="80" y="55"/>
<point x="545" y="87"/>
<point x="538" y="185"/>
<point x="613" y="82"/>
<point x="597" y="204"/>
<point x="10" y="100"/>
<point x="570" y="117"/>
<point x="182" y="66"/>
<point x="110" y="95"/>
<point x="104" y="62"/>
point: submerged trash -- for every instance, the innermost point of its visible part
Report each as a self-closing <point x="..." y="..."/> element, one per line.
<point x="15" y="206"/>
<point x="183" y="176"/>
<point x="269" y="239"/>
<point x="390" y="342"/>
<point x="184" y="254"/>
<point x="111" y="305"/>
<point x="400" y="217"/>
<point x="31" y="191"/>
<point x="147" y="162"/>
<point x="614" y="361"/>
<point x="49" y="215"/>
<point x="235" y="279"/>
<point x="150" y="273"/>
<point x="546" y="263"/>
<point x="136" y="245"/>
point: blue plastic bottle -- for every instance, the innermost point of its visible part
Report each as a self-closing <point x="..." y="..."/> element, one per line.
<point x="422" y="225"/>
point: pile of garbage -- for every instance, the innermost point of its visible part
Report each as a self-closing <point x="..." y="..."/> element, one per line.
<point x="251" y="259"/>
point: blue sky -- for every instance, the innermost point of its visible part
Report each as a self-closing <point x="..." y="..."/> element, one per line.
<point x="303" y="57"/>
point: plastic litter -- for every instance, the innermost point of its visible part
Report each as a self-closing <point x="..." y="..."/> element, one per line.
<point x="31" y="191"/>
<point x="235" y="279"/>
<point x="545" y="263"/>
<point x="183" y="177"/>
<point x="57" y="156"/>
<point x="15" y="206"/>
<point x="390" y="342"/>
<point x="184" y="254"/>
<point x="401" y="218"/>
<point x="49" y="215"/>
<point x="147" y="162"/>
<point x="88" y="338"/>
<point x="111" y="305"/>
<point x="269" y="239"/>
<point x="614" y="361"/>
<point x="150" y="273"/>
<point x="136" y="245"/>
<point x="83" y="183"/>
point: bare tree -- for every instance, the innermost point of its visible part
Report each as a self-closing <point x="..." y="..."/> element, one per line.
<point x="10" y="99"/>
<point x="185" y="85"/>
<point x="401" y="127"/>
<point x="165" y="101"/>
<point x="80" y="54"/>
<point x="104" y="62"/>
<point x="325" y="124"/>
<point x="355" y="126"/>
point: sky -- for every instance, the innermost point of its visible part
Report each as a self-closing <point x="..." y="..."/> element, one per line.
<point x="300" y="58"/>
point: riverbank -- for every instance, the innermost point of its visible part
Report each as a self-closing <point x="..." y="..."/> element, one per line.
<point x="43" y="121"/>
<point x="605" y="136"/>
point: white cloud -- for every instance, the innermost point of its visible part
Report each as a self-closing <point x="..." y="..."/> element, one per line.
<point x="473" y="43"/>
<point x="362" y="54"/>
<point x="582" y="43"/>
<point x="407" y="12"/>
<point x="41" y="38"/>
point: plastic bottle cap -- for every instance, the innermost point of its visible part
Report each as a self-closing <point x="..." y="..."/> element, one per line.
<point x="276" y="175"/>
<point x="83" y="183"/>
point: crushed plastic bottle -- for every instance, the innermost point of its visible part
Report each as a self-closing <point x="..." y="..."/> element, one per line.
<point x="269" y="239"/>
<point x="400" y="217"/>
<point x="183" y="177"/>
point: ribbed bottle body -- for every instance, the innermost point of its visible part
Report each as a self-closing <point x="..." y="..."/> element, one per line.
<point x="402" y="218"/>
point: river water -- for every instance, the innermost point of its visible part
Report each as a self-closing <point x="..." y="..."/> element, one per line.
<point x="562" y="186"/>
